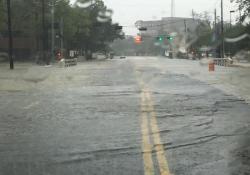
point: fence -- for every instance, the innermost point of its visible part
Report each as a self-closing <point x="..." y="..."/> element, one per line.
<point x="223" y="62"/>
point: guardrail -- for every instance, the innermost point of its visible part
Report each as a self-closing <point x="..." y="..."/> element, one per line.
<point x="222" y="62"/>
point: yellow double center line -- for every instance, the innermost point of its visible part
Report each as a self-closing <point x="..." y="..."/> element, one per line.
<point x="149" y="122"/>
<point x="146" y="145"/>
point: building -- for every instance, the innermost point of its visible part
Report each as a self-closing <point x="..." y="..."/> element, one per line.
<point x="183" y="30"/>
<point x="169" y="25"/>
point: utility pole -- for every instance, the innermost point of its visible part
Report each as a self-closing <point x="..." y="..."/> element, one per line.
<point x="232" y="11"/>
<point x="185" y="39"/>
<point x="52" y="29"/>
<point x="61" y="35"/>
<point x="193" y="14"/>
<point x="215" y="30"/>
<point x="172" y="8"/>
<point x="10" y="36"/>
<point x="43" y="27"/>
<point x="240" y="11"/>
<point x="185" y="25"/>
<point x="215" y="18"/>
<point x="222" y="32"/>
<point x="172" y="48"/>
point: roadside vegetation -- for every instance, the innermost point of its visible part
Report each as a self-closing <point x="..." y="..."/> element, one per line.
<point x="86" y="24"/>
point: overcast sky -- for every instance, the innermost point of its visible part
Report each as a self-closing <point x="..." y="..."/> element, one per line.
<point x="127" y="12"/>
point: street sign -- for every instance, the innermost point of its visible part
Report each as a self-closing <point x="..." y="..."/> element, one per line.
<point x="143" y="29"/>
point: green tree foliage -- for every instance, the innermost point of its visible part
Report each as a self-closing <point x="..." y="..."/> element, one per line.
<point x="204" y="17"/>
<point x="234" y="32"/>
<point x="204" y="32"/>
<point x="238" y="30"/>
<point x="2" y="14"/>
<point x="87" y="24"/>
<point x="100" y="30"/>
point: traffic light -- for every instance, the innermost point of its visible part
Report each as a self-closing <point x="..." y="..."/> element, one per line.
<point x="170" y="38"/>
<point x="160" y="38"/>
<point x="138" y="39"/>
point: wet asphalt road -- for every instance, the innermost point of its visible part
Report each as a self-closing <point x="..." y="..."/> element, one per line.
<point x="132" y="116"/>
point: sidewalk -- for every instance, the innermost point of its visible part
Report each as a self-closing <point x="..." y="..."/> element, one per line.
<point x="243" y="65"/>
<point x="24" y="76"/>
<point x="235" y="62"/>
<point x="232" y="80"/>
<point x="28" y="76"/>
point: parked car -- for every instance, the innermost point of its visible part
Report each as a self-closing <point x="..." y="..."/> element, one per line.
<point x="3" y="56"/>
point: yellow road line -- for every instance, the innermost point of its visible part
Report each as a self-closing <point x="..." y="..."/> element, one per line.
<point x="147" y="108"/>
<point x="160" y="152"/>
<point x="146" y="146"/>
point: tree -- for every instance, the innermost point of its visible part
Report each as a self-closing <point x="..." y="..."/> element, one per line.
<point x="87" y="24"/>
<point x="234" y="32"/>
<point x="204" y="32"/>
<point x="204" y="17"/>
<point x="98" y="31"/>
<point x="2" y="14"/>
<point x="237" y="30"/>
<point x="244" y="6"/>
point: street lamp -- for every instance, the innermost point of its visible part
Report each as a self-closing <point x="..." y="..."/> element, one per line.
<point x="230" y="45"/>
<point x="232" y="11"/>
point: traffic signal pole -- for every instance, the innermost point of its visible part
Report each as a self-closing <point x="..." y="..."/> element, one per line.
<point x="10" y="36"/>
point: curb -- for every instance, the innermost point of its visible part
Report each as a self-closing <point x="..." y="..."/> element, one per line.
<point x="241" y="66"/>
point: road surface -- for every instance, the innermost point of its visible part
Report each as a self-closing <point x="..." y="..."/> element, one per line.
<point x="134" y="116"/>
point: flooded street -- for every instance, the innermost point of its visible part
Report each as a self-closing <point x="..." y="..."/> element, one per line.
<point x="139" y="115"/>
